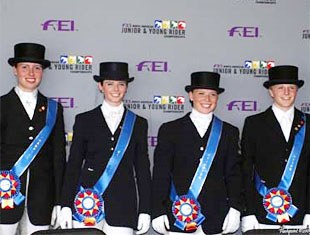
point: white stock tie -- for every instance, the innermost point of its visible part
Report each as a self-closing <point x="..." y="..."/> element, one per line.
<point x="286" y="126"/>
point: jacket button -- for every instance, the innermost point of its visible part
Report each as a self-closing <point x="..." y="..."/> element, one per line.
<point x="112" y="149"/>
<point x="30" y="138"/>
<point x="112" y="138"/>
<point x="201" y="148"/>
<point x="30" y="128"/>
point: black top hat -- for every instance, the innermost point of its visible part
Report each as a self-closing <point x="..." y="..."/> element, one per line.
<point x="113" y="71"/>
<point x="29" y="52"/>
<point x="205" y="80"/>
<point x="283" y="74"/>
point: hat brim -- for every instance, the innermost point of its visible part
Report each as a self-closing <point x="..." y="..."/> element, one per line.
<point x="191" y="88"/>
<point x="100" y="78"/>
<point x="268" y="84"/>
<point x="14" y="61"/>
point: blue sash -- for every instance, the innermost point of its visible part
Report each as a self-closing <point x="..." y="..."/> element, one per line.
<point x="88" y="203"/>
<point x="9" y="179"/>
<point x="186" y="208"/>
<point x="277" y="201"/>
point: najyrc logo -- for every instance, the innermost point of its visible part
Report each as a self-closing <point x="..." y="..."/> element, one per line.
<point x="305" y="107"/>
<point x="66" y="102"/>
<point x="59" y="25"/>
<point x="256" y="68"/>
<point x="244" y="31"/>
<point x="74" y="64"/>
<point x="166" y="28"/>
<point x="306" y="34"/>
<point x="153" y="66"/>
<point x="165" y="104"/>
<point x="242" y="105"/>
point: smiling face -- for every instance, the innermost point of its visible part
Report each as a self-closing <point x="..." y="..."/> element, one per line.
<point x="114" y="91"/>
<point x="283" y="95"/>
<point x="29" y="75"/>
<point x="204" y="100"/>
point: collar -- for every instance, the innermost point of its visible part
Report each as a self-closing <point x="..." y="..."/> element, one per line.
<point x="109" y="110"/>
<point x="25" y="95"/>
<point x="280" y="113"/>
<point x="195" y="115"/>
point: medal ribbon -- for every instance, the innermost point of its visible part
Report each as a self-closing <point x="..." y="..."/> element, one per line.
<point x="113" y="163"/>
<point x="201" y="172"/>
<point x="31" y="152"/>
<point x="289" y="171"/>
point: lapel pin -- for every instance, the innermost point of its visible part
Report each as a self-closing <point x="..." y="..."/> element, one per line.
<point x="42" y="108"/>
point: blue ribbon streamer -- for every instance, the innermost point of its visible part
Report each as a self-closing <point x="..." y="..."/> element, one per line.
<point x="121" y="146"/>
<point x="289" y="171"/>
<point x="202" y="170"/>
<point x="113" y="163"/>
<point x="31" y="152"/>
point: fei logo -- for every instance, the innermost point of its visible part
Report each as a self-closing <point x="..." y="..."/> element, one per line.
<point x="245" y="32"/>
<point x="59" y="25"/>
<point x="153" y="66"/>
<point x="66" y="102"/>
<point x="242" y="105"/>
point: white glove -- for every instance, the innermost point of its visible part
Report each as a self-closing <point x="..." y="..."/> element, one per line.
<point x="249" y="222"/>
<point x="55" y="216"/>
<point x="144" y="221"/>
<point x="65" y="218"/>
<point x="232" y="221"/>
<point x="306" y="222"/>
<point x="161" y="224"/>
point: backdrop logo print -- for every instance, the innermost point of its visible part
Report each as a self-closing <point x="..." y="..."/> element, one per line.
<point x="73" y="63"/>
<point x="66" y="102"/>
<point x="59" y="25"/>
<point x="152" y="141"/>
<point x="266" y="1"/>
<point x="165" y="104"/>
<point x="166" y="28"/>
<point x="255" y="68"/>
<point x="242" y="105"/>
<point x="306" y="34"/>
<point x="305" y="107"/>
<point x="153" y="66"/>
<point x="244" y="31"/>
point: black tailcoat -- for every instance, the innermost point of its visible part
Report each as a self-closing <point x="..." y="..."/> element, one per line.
<point x="46" y="170"/>
<point x="92" y="146"/>
<point x="266" y="151"/>
<point x="178" y="155"/>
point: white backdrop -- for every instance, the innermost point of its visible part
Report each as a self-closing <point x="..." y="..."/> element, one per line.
<point x="163" y="42"/>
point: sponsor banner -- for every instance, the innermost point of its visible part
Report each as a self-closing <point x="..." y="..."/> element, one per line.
<point x="73" y="64"/>
<point x="255" y="68"/>
<point x="164" y="28"/>
<point x="165" y="104"/>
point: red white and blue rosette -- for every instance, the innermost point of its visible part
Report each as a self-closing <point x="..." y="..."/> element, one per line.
<point x="278" y="204"/>
<point x="9" y="190"/>
<point x="89" y="207"/>
<point x="186" y="210"/>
